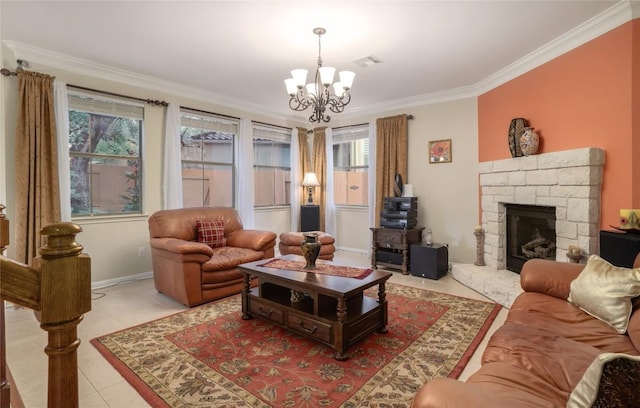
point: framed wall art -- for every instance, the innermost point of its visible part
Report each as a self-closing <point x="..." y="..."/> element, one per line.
<point x="440" y="151"/>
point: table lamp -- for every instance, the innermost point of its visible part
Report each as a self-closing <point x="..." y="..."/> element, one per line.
<point x="310" y="180"/>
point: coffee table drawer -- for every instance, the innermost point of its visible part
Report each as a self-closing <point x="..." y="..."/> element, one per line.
<point x="317" y="330"/>
<point x="266" y="311"/>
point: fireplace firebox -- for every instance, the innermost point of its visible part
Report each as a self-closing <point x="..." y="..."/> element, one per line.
<point x="531" y="233"/>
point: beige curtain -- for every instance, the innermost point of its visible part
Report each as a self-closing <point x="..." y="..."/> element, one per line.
<point x="305" y="161"/>
<point x="391" y="157"/>
<point x="320" y="168"/>
<point x="37" y="193"/>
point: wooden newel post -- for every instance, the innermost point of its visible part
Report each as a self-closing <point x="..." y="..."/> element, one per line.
<point x="65" y="295"/>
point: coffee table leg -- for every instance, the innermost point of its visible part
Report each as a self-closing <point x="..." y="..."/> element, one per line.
<point x="382" y="300"/>
<point x="245" y="297"/>
<point x="341" y="313"/>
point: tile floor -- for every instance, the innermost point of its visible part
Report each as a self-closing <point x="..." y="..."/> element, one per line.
<point x="136" y="302"/>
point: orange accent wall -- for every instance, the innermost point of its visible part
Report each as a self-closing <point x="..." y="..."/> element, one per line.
<point x="588" y="97"/>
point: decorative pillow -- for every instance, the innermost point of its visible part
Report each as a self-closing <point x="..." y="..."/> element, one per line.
<point x="211" y="233"/>
<point x="610" y="381"/>
<point x="605" y="292"/>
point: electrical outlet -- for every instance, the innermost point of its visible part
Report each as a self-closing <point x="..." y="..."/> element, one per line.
<point x="141" y="252"/>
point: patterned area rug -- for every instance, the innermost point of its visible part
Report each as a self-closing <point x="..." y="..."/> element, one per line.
<point x="209" y="357"/>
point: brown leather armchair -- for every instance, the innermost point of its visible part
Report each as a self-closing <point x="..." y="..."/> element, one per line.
<point x="192" y="272"/>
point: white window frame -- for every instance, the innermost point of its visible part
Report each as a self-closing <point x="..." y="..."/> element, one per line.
<point x="274" y="134"/>
<point x="97" y="103"/>
<point x="214" y="123"/>
<point x="350" y="134"/>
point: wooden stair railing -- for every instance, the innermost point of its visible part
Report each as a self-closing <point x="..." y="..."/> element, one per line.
<point x="58" y="289"/>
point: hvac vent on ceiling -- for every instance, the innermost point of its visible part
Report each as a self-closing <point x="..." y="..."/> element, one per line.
<point x="368" y="61"/>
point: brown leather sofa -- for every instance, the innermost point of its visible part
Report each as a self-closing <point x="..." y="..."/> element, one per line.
<point x="192" y="272"/>
<point x="540" y="354"/>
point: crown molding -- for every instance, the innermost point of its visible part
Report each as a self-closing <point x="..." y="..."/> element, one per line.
<point x="598" y="25"/>
<point x="618" y="14"/>
<point x="79" y="66"/>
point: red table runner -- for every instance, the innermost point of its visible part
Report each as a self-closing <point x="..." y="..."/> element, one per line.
<point x="335" y="270"/>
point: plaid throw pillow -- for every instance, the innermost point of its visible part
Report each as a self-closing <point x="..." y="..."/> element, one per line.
<point x="211" y="233"/>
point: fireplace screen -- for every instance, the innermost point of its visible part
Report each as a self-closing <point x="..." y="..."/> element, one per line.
<point x="531" y="233"/>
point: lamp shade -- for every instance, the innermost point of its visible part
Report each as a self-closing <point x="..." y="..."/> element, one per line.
<point x="310" y="180"/>
<point x="299" y="76"/>
<point x="346" y="78"/>
<point x="291" y="86"/>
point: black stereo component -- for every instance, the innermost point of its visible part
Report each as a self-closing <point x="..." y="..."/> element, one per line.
<point x="401" y="223"/>
<point x="387" y="256"/>
<point x="400" y="203"/>
<point x="399" y="213"/>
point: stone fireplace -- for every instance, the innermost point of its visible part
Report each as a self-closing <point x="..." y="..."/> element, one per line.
<point x="570" y="181"/>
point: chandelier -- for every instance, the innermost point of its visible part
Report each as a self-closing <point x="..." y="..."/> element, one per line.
<point x="318" y="94"/>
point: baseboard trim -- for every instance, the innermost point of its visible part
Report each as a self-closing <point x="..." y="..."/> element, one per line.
<point x="356" y="250"/>
<point x="121" y="280"/>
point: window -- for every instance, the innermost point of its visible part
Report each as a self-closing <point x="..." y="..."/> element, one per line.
<point x="104" y="150"/>
<point x="207" y="159"/>
<point x="351" y="165"/>
<point x="271" y="166"/>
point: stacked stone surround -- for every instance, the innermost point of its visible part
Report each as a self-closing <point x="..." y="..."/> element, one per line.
<point x="568" y="180"/>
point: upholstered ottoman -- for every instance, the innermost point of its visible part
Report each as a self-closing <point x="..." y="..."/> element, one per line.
<point x="290" y="244"/>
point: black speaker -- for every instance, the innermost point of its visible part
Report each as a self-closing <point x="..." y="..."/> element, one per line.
<point x="389" y="256"/>
<point x="619" y="248"/>
<point x="429" y="261"/>
<point x="309" y="218"/>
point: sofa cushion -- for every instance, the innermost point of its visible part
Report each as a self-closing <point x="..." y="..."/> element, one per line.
<point x="211" y="233"/>
<point x="605" y="292"/>
<point x="610" y="381"/>
<point x="561" y="318"/>
<point x="230" y="257"/>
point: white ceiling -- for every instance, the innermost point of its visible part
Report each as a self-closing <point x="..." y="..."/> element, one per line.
<point x="243" y="50"/>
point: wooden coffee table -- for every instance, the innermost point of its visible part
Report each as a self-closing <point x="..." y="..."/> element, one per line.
<point x="334" y="310"/>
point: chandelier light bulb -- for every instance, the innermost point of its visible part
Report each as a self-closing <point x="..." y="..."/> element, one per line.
<point x="346" y="78"/>
<point x="299" y="77"/>
<point x="311" y="89"/>
<point x="338" y="89"/>
<point x="326" y="75"/>
<point x="292" y="88"/>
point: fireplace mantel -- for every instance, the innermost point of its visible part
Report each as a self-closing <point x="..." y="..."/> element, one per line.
<point x="569" y="180"/>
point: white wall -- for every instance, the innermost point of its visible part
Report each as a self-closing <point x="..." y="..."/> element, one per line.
<point x="447" y="192"/>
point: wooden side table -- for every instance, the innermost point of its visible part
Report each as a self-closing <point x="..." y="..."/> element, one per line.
<point x="390" y="247"/>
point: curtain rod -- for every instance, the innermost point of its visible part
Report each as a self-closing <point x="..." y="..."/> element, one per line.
<point x="269" y="124"/>
<point x="210" y="113"/>
<point x="8" y="72"/>
<point x="149" y="101"/>
<point x="362" y="124"/>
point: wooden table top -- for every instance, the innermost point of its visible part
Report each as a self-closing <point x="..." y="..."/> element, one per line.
<point x="321" y="283"/>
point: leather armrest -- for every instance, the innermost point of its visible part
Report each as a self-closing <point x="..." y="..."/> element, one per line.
<point x="549" y="277"/>
<point x="252" y="239"/>
<point x="179" y="246"/>
<point x="451" y="393"/>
